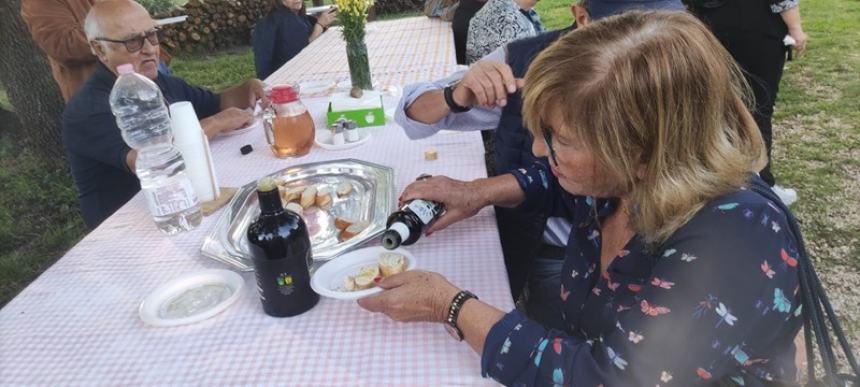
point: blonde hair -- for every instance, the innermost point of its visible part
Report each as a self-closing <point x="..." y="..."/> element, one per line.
<point x="661" y="106"/>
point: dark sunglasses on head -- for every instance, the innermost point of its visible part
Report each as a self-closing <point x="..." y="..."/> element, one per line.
<point x="135" y="44"/>
<point x="547" y="138"/>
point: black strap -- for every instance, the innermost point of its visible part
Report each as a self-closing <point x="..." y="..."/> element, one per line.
<point x="448" y="93"/>
<point x="817" y="310"/>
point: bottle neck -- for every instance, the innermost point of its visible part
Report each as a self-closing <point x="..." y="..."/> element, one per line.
<point x="270" y="201"/>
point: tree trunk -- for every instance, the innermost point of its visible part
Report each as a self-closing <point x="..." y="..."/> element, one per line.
<point x="8" y="122"/>
<point x="26" y="76"/>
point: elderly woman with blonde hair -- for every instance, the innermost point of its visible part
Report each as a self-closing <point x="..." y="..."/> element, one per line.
<point x="676" y="271"/>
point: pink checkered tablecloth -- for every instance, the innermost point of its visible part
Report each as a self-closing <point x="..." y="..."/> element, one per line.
<point x="78" y="323"/>
<point x="399" y="51"/>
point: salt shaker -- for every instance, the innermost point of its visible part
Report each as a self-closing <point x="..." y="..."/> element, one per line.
<point x="351" y="130"/>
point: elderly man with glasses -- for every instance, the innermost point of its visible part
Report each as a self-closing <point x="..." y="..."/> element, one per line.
<point x="119" y="32"/>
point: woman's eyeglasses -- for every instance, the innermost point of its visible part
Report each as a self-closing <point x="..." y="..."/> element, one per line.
<point x="547" y="138"/>
<point x="135" y="44"/>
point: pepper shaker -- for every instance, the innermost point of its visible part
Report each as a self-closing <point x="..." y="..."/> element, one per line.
<point x="337" y="136"/>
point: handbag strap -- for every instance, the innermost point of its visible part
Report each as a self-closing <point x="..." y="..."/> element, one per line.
<point x="816" y="309"/>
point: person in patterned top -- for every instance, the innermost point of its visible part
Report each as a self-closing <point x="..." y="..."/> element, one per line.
<point x="676" y="272"/>
<point x="498" y="23"/>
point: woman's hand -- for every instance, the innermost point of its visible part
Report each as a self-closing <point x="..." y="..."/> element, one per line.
<point x="462" y="199"/>
<point x="791" y="18"/>
<point x="415" y="295"/>
<point x="800" y="39"/>
<point x="326" y="18"/>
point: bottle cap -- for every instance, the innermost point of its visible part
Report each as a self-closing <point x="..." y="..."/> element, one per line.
<point x="267" y="184"/>
<point x="246" y="149"/>
<point x="395" y="235"/>
<point x="391" y="240"/>
<point x="126" y="68"/>
<point x="283" y="94"/>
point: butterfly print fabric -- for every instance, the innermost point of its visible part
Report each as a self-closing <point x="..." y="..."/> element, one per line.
<point x="717" y="301"/>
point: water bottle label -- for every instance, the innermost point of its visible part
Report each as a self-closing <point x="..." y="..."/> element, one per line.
<point x="175" y="196"/>
<point x="426" y="210"/>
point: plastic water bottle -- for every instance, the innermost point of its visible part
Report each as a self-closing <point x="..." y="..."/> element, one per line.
<point x="144" y="122"/>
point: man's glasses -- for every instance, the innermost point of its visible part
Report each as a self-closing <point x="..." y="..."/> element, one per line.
<point x="547" y="138"/>
<point x="135" y="44"/>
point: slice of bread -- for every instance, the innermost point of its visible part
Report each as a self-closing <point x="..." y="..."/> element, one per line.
<point x="391" y="264"/>
<point x="295" y="207"/>
<point x="349" y="284"/>
<point x="365" y="276"/>
<point x="353" y="230"/>
<point x="309" y="195"/>
<point x="344" y="188"/>
<point x="342" y="223"/>
<point x="291" y="194"/>
<point x="323" y="198"/>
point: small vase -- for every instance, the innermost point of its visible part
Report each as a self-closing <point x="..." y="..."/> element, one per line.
<point x="359" y="67"/>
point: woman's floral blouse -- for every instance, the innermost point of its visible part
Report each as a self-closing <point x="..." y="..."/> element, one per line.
<point x="717" y="301"/>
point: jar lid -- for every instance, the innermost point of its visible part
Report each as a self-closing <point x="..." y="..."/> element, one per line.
<point x="283" y="94"/>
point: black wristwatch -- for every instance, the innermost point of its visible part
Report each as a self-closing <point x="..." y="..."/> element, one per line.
<point x="449" y="99"/>
<point x="454" y="312"/>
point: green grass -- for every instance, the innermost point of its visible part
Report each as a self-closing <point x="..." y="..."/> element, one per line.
<point x="215" y="71"/>
<point x="817" y="151"/>
<point x="39" y="218"/>
<point x="554" y="14"/>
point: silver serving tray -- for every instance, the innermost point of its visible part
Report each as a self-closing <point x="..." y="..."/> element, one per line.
<point x="371" y="200"/>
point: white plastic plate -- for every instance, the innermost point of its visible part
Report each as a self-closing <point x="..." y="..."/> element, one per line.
<point x="152" y="309"/>
<point x="328" y="279"/>
<point x="323" y="138"/>
<point x="256" y="125"/>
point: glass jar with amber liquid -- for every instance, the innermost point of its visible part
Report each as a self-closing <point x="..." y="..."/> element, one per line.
<point x="289" y="127"/>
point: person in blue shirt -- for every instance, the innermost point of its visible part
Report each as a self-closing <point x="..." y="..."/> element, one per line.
<point x="119" y="32"/>
<point x="680" y="268"/>
<point x="284" y="32"/>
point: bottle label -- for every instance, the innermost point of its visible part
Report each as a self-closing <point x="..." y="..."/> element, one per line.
<point x="175" y="196"/>
<point x="425" y="209"/>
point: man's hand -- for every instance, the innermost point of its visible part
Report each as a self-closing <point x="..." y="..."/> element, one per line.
<point x="487" y="83"/>
<point x="229" y="119"/>
<point x="243" y="96"/>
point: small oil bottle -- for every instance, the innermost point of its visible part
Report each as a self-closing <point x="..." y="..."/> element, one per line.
<point x="405" y="226"/>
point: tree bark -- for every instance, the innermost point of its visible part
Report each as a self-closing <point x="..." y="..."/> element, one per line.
<point x="8" y="122"/>
<point x="26" y="76"/>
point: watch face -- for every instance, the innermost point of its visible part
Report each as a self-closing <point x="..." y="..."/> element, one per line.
<point x="453" y="332"/>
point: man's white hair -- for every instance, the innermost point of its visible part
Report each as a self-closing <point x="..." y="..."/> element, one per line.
<point x="93" y="30"/>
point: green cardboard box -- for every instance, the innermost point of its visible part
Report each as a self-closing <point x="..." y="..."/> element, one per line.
<point x="362" y="117"/>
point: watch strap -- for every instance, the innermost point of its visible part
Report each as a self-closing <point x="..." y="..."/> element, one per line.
<point x="448" y="92"/>
<point x="454" y="311"/>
